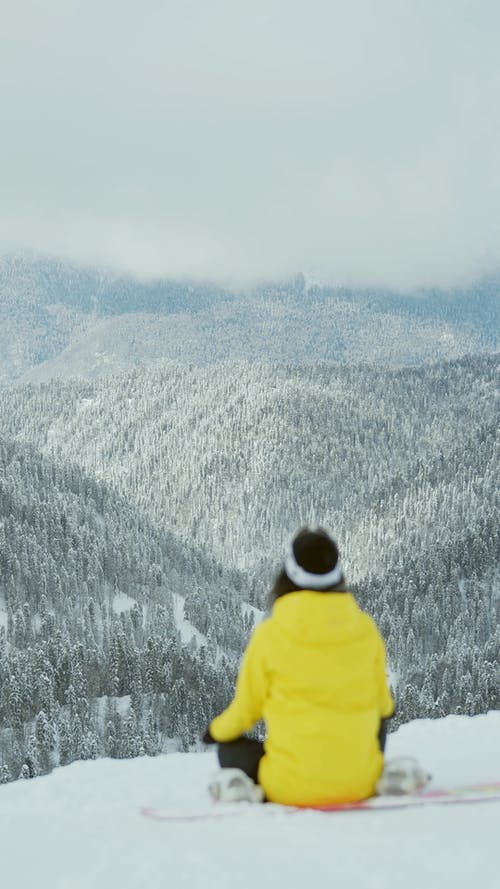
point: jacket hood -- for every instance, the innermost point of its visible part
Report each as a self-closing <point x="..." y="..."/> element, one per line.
<point x="314" y="618"/>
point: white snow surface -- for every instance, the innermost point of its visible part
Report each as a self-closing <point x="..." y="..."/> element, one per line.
<point x="122" y="602"/>
<point x="81" y="827"/>
<point x="3" y="612"/>
<point x="187" y="630"/>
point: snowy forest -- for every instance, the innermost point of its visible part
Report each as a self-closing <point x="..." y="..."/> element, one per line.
<point x="92" y="658"/>
<point x="62" y="320"/>
<point x="143" y="517"/>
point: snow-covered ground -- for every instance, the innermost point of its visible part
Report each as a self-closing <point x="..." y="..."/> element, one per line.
<point x="187" y="630"/>
<point x="81" y="827"/>
<point x="122" y="602"/>
<point x="3" y="612"/>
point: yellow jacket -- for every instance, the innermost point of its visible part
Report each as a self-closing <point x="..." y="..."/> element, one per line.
<point x="315" y="671"/>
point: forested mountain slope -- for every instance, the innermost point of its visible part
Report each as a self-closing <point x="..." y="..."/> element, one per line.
<point x="253" y="328"/>
<point x="402" y="465"/>
<point x="91" y="610"/>
<point x="234" y="456"/>
<point x="46" y="303"/>
<point x="61" y="320"/>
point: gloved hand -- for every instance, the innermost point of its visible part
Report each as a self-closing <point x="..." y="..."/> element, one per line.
<point x="207" y="737"/>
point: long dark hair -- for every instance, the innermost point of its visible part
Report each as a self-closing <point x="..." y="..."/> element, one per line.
<point x="283" y="585"/>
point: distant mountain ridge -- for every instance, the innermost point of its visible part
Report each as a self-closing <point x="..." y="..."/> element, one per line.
<point x="61" y="320"/>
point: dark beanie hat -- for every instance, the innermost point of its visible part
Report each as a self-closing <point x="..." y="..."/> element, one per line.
<point x="313" y="561"/>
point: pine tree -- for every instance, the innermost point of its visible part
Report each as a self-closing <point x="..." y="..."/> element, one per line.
<point x="5" y="775"/>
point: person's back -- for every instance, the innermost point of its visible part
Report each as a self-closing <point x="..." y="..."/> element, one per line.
<point x="315" y="671"/>
<point x="325" y="664"/>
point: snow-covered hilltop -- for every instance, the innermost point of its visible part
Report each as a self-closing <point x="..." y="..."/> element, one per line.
<point x="81" y="827"/>
<point x="61" y="320"/>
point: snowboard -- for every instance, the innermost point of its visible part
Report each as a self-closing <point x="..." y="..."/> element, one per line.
<point x="468" y="793"/>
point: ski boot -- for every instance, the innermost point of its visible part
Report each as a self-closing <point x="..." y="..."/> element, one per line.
<point x="401" y="775"/>
<point x="234" y="786"/>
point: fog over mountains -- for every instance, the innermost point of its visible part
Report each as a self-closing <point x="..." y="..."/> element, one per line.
<point x="60" y="320"/>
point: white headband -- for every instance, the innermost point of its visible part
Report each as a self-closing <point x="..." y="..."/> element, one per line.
<point x="305" y="580"/>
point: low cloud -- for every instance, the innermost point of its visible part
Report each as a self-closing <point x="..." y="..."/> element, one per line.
<point x="239" y="140"/>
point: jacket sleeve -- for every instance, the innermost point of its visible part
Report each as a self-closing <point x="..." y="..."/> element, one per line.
<point x="251" y="691"/>
<point x="386" y="701"/>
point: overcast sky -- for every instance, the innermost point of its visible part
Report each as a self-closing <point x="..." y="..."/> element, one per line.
<point x="358" y="140"/>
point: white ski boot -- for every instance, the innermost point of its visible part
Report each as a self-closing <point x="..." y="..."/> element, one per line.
<point x="234" y="786"/>
<point x="403" y="774"/>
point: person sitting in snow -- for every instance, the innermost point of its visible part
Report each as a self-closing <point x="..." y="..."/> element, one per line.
<point x="315" y="671"/>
